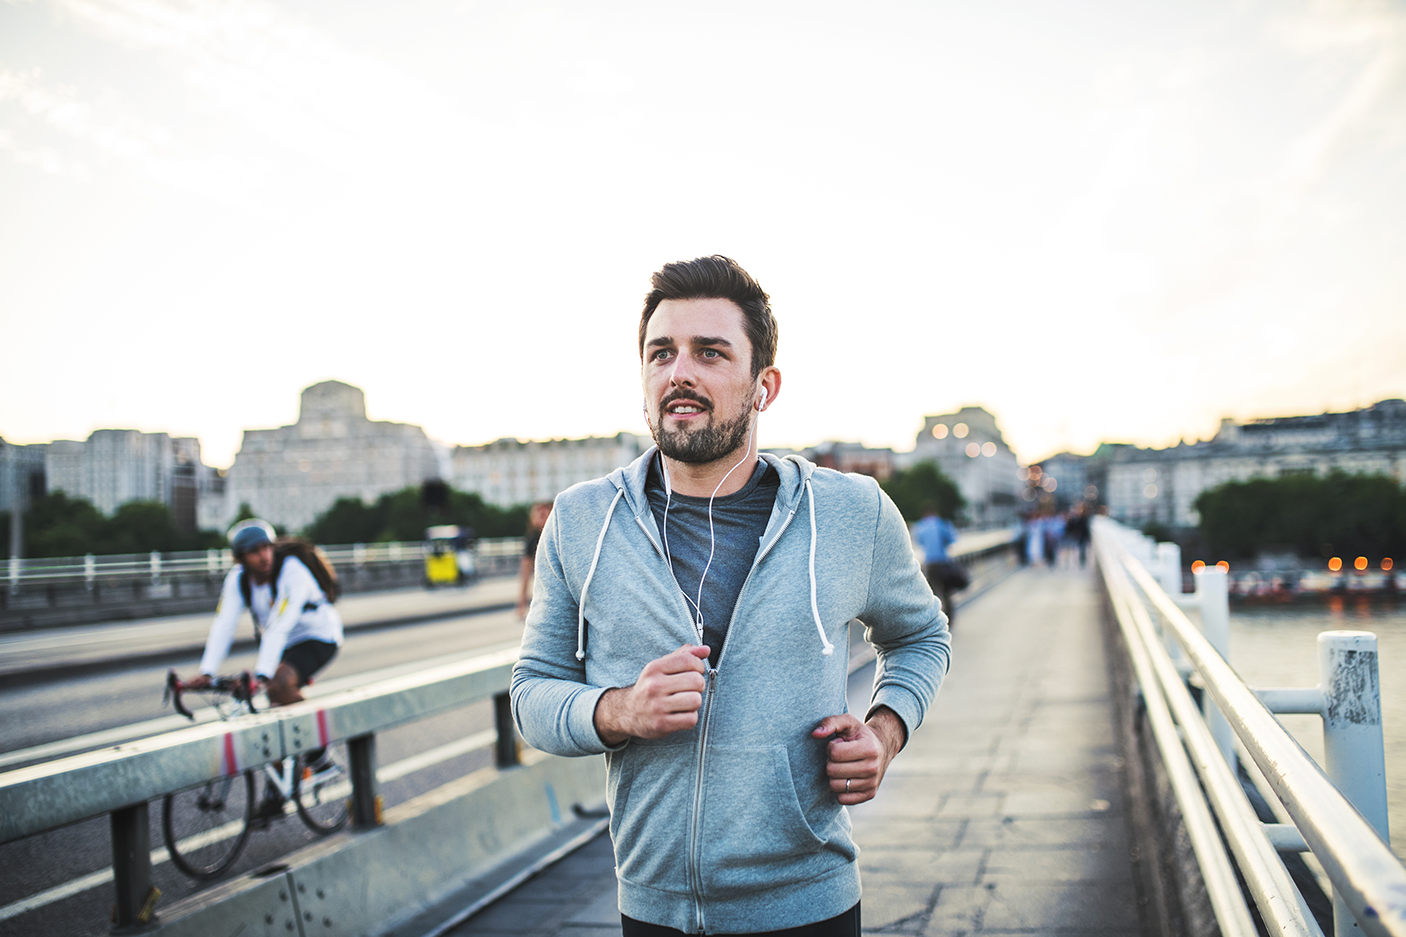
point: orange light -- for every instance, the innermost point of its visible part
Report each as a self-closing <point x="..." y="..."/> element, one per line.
<point x="1197" y="566"/>
<point x="1223" y="566"/>
<point x="1387" y="564"/>
<point x="1360" y="562"/>
<point x="1335" y="564"/>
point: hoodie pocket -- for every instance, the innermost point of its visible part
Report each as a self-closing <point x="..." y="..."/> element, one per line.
<point x="649" y="799"/>
<point x="755" y="832"/>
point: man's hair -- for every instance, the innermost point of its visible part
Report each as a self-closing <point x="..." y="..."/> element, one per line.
<point x="717" y="277"/>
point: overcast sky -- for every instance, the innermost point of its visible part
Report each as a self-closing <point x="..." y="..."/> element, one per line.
<point x="1099" y="220"/>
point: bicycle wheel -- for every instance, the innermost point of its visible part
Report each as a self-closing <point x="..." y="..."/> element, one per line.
<point x="323" y="797"/>
<point x="207" y="826"/>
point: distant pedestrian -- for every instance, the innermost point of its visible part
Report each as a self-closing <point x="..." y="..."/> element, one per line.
<point x="536" y="519"/>
<point x="1034" y="537"/>
<point x="1077" y="529"/>
<point x="944" y="574"/>
<point x="1053" y="532"/>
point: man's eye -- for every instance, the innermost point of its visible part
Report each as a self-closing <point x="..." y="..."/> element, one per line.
<point x="711" y="353"/>
<point x="661" y="354"/>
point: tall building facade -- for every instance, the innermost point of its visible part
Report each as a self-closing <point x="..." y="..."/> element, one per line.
<point x="968" y="447"/>
<point x="291" y="474"/>
<point x="507" y="471"/>
<point x="1162" y="484"/>
<point x="114" y="466"/>
<point x="22" y="475"/>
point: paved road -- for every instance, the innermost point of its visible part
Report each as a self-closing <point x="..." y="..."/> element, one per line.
<point x="1003" y="816"/>
<point x="41" y="650"/>
<point x="58" y="883"/>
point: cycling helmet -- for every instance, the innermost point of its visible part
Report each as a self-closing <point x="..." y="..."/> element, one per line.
<point x="249" y="535"/>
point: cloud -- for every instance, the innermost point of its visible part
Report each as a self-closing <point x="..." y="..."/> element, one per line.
<point x="105" y="124"/>
<point x="284" y="78"/>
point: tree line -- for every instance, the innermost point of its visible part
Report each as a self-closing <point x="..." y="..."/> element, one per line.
<point x="59" y="525"/>
<point x="1309" y="515"/>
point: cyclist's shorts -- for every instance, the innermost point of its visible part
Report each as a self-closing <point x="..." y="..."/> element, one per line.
<point x="308" y="657"/>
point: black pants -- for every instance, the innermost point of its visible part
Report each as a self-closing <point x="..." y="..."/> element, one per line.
<point x="841" y="925"/>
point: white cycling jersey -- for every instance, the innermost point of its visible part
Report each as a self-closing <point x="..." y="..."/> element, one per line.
<point x="299" y="612"/>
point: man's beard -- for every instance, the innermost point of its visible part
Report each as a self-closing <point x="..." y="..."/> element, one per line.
<point x="706" y="444"/>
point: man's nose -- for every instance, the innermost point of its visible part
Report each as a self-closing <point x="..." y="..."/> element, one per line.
<point x="681" y="372"/>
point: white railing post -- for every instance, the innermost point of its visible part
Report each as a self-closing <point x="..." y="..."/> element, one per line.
<point x="155" y="567"/>
<point x="90" y="570"/>
<point x="14" y="575"/>
<point x="1354" y="754"/>
<point x="358" y="555"/>
<point x="1168" y="573"/>
<point x="1213" y="600"/>
<point x="1169" y="567"/>
<point x="212" y="561"/>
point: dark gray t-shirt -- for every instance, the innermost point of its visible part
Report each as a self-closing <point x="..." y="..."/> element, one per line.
<point x="739" y="521"/>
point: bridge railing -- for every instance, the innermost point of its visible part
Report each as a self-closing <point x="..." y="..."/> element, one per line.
<point x="91" y="570"/>
<point x="122" y="780"/>
<point x="77" y="589"/>
<point x="1340" y="819"/>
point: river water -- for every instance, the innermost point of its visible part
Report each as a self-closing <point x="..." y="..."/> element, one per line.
<point x="1277" y="646"/>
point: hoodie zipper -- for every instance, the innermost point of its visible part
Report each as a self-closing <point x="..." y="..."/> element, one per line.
<point x="695" y="831"/>
<point x="695" y="862"/>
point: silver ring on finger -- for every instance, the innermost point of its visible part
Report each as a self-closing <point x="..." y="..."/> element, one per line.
<point x="847" y="780"/>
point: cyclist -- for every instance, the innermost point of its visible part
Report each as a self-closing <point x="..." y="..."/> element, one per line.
<point x="299" y="631"/>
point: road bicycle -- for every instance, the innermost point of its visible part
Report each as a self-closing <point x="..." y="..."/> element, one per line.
<point x="207" y="826"/>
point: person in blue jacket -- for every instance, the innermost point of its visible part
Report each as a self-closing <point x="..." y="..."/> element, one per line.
<point x="690" y="620"/>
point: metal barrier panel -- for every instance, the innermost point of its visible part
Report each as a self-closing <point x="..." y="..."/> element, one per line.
<point x="57" y="793"/>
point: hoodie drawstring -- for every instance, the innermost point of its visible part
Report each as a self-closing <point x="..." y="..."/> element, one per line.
<point x="581" y="606"/>
<point x="827" y="648"/>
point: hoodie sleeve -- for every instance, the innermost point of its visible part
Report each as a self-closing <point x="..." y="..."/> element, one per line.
<point x="905" y="623"/>
<point x="553" y="705"/>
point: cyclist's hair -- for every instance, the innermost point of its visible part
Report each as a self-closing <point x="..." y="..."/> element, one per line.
<point x="717" y="277"/>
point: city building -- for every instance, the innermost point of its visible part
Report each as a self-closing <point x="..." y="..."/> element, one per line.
<point x="291" y="474"/>
<point x="507" y="471"/>
<point x="1161" y="485"/>
<point x="114" y="466"/>
<point x="845" y="457"/>
<point x="22" y="476"/>
<point x="968" y="447"/>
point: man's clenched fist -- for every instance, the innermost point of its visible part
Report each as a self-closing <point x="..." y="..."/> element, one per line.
<point x="665" y="699"/>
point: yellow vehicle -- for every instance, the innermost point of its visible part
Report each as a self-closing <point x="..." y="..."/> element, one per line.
<point x="449" y="556"/>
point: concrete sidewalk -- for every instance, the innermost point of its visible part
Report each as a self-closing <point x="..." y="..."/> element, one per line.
<point x="1003" y="816"/>
<point x="47" y="649"/>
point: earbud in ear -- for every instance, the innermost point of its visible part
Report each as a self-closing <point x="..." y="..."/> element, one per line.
<point x="762" y="403"/>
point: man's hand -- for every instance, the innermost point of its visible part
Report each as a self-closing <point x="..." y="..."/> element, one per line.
<point x="859" y="752"/>
<point x="665" y="699"/>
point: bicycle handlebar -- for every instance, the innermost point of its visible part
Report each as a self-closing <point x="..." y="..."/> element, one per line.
<point x="239" y="686"/>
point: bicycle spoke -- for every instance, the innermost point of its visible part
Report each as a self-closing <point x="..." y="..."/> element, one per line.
<point x="206" y="826"/>
<point x="324" y="798"/>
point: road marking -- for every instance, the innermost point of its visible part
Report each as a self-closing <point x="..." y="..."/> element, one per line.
<point x="384" y="775"/>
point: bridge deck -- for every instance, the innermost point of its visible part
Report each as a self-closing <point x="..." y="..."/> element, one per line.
<point x="1005" y="814"/>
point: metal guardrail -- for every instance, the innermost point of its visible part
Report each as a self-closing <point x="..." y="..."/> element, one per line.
<point x="122" y="780"/>
<point x="1340" y="816"/>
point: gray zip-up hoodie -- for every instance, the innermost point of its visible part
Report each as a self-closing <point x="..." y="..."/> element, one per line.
<point x="730" y="826"/>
